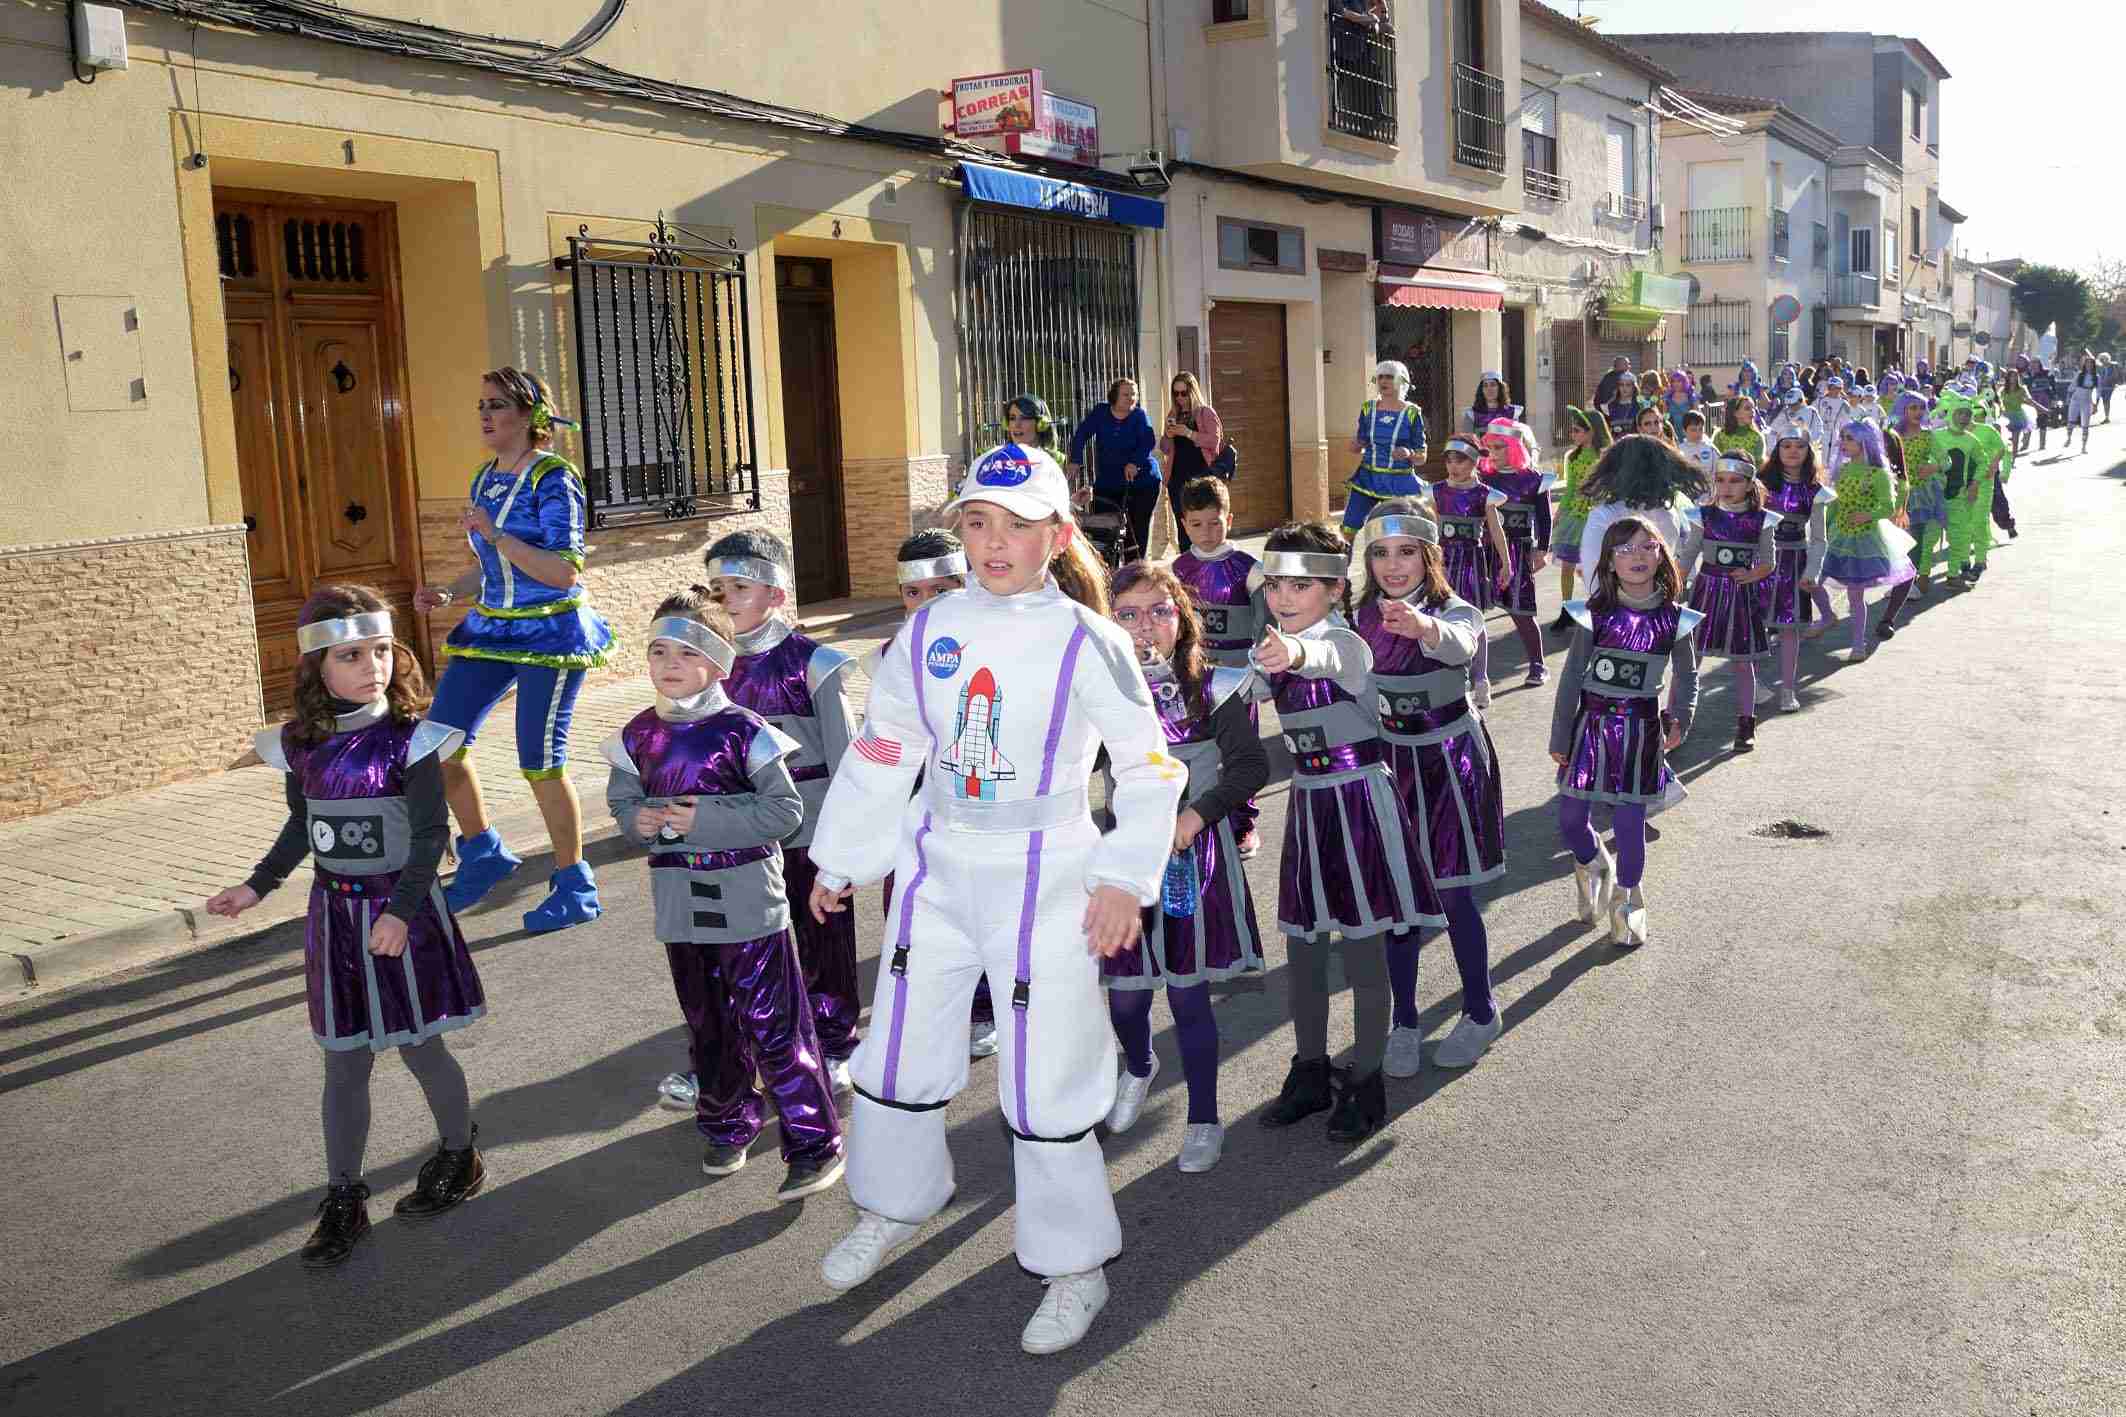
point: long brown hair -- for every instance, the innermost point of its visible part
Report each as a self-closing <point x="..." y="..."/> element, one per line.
<point x="1667" y="574"/>
<point x="1317" y="537"/>
<point x="1433" y="580"/>
<point x="1195" y="396"/>
<point x="1189" y="666"/>
<point x="315" y="718"/>
<point x="1773" y="473"/>
<point x="1080" y="575"/>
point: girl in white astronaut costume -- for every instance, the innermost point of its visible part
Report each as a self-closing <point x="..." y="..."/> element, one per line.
<point x="1006" y="690"/>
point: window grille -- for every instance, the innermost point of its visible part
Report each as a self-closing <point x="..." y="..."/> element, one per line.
<point x="1361" y="74"/>
<point x="1718" y="332"/>
<point x="1479" y="118"/>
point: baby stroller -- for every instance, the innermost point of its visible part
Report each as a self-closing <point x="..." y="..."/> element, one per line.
<point x="1105" y="524"/>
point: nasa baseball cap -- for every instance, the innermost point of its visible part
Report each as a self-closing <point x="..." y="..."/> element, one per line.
<point x="1024" y="481"/>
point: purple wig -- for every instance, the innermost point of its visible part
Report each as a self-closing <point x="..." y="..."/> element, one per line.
<point x="1905" y="401"/>
<point x="1868" y="434"/>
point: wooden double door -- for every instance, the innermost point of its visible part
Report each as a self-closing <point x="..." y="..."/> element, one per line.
<point x="317" y="378"/>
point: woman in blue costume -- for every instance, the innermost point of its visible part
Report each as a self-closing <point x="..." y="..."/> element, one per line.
<point x="1390" y="443"/>
<point x="533" y="630"/>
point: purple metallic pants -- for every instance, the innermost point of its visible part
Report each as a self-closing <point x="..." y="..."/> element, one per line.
<point x="746" y="1011"/>
<point x="828" y="954"/>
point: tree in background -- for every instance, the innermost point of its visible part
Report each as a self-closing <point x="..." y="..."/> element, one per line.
<point x="2046" y="295"/>
<point x="2107" y="282"/>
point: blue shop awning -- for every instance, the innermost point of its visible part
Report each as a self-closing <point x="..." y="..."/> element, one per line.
<point x="1046" y="194"/>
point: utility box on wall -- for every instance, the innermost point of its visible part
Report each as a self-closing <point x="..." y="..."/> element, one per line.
<point x="99" y="343"/>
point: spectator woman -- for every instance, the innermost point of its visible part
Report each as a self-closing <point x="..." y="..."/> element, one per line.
<point x="1125" y="466"/>
<point x="1190" y="445"/>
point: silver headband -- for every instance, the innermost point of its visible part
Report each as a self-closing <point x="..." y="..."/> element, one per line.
<point x="1467" y="447"/>
<point x="1416" y="528"/>
<point x="695" y="635"/>
<point x="908" y="572"/>
<point x="1732" y="462"/>
<point x="324" y="634"/>
<point x="1318" y="565"/>
<point x="752" y="568"/>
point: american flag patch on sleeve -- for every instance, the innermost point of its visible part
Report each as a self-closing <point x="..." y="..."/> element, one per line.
<point x="883" y="751"/>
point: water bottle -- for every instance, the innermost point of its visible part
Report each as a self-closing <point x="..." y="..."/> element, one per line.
<point x="1181" y="892"/>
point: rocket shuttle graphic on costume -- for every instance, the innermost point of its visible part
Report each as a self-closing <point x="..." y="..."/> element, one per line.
<point x="972" y="756"/>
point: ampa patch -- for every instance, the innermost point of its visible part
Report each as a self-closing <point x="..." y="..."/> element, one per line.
<point x="942" y="659"/>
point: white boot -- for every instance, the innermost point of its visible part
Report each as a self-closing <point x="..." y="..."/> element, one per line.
<point x="1627" y="919"/>
<point x="864" y="1249"/>
<point x="1067" y="1310"/>
<point x="1593" y="883"/>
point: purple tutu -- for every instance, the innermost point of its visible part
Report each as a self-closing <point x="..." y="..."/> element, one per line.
<point x="1348" y="855"/>
<point x="361" y="1000"/>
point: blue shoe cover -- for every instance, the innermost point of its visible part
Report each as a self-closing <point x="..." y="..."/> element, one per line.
<point x="483" y="863"/>
<point x="573" y="901"/>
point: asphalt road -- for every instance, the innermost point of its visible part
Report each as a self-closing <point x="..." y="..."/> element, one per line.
<point x="1846" y="1138"/>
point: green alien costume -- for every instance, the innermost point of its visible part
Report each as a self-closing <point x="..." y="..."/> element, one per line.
<point x="1972" y="453"/>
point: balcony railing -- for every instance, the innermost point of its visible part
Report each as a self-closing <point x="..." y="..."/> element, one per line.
<point x="1545" y="186"/>
<point x="1361" y="75"/>
<point x="1856" y="288"/>
<point x="1782" y="236"/>
<point x="1479" y="118"/>
<point x="1713" y="234"/>
<point x="1623" y="206"/>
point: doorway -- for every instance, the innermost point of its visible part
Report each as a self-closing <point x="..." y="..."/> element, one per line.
<point x="812" y="423"/>
<point x="317" y="378"/>
<point x="1423" y="340"/>
<point x="1513" y="335"/>
<point x="1250" y="390"/>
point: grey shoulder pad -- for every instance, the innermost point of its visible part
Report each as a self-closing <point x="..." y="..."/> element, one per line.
<point x="1106" y="642"/>
<point x="769" y="745"/>
<point x="1495" y="497"/>
<point x="267" y="744"/>
<point x="1826" y="493"/>
<point x="1687" y="620"/>
<point x="1581" y="615"/>
<point x="1548" y="485"/>
<point x="616" y="753"/>
<point x="1223" y="684"/>
<point x="826" y="662"/>
<point x="432" y="737"/>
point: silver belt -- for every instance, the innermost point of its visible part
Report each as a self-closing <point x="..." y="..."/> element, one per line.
<point x="1028" y="814"/>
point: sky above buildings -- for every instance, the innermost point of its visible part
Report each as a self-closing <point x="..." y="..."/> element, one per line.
<point x="2033" y="123"/>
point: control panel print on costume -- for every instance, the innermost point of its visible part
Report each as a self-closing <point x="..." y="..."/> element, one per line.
<point x="972" y="758"/>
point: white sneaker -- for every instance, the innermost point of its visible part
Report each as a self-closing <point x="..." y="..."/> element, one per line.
<point x="838" y="1075"/>
<point x="1130" y="1093"/>
<point x="1592" y="884"/>
<point x="1469" y="1041"/>
<point x="860" y="1252"/>
<point x="1789" y="701"/>
<point x="1816" y="629"/>
<point x="1067" y="1310"/>
<point x="1481" y="694"/>
<point x="1406" y="1057"/>
<point x="678" y="1091"/>
<point x="981" y="1038"/>
<point x="1201" y="1146"/>
<point x="1763" y="695"/>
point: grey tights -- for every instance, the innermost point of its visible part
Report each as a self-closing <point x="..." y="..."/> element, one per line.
<point x="346" y="1104"/>
<point x="1366" y="970"/>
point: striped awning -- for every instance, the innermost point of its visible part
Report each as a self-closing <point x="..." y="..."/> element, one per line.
<point x="1413" y="287"/>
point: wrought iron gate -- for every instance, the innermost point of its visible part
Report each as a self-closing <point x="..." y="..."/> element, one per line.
<point x="1047" y="307"/>
<point x="664" y="374"/>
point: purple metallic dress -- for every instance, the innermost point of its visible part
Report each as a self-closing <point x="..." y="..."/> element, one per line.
<point x="1445" y="767"/>
<point x="1612" y="735"/>
<point x="799" y="685"/>
<point x="1525" y="515"/>
<point x="1351" y="862"/>
<point x="1792" y="503"/>
<point x="724" y="920"/>
<point x="354" y="784"/>
<point x="1734" y="623"/>
<point x="1464" y="544"/>
<point x="1232" y="622"/>
<point x="1221" y="939"/>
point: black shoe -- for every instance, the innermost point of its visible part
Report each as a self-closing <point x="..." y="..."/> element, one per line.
<point x="1361" y="1108"/>
<point x="1306" y="1091"/>
<point x="343" y="1219"/>
<point x="720" y="1160"/>
<point x="1745" y="734"/>
<point x="1563" y="623"/>
<point x="446" y="1178"/>
<point x="1884" y="630"/>
<point x="805" y="1178"/>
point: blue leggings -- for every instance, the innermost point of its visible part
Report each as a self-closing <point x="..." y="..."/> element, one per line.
<point x="1472" y="957"/>
<point x="1628" y="823"/>
<point x="546" y="701"/>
